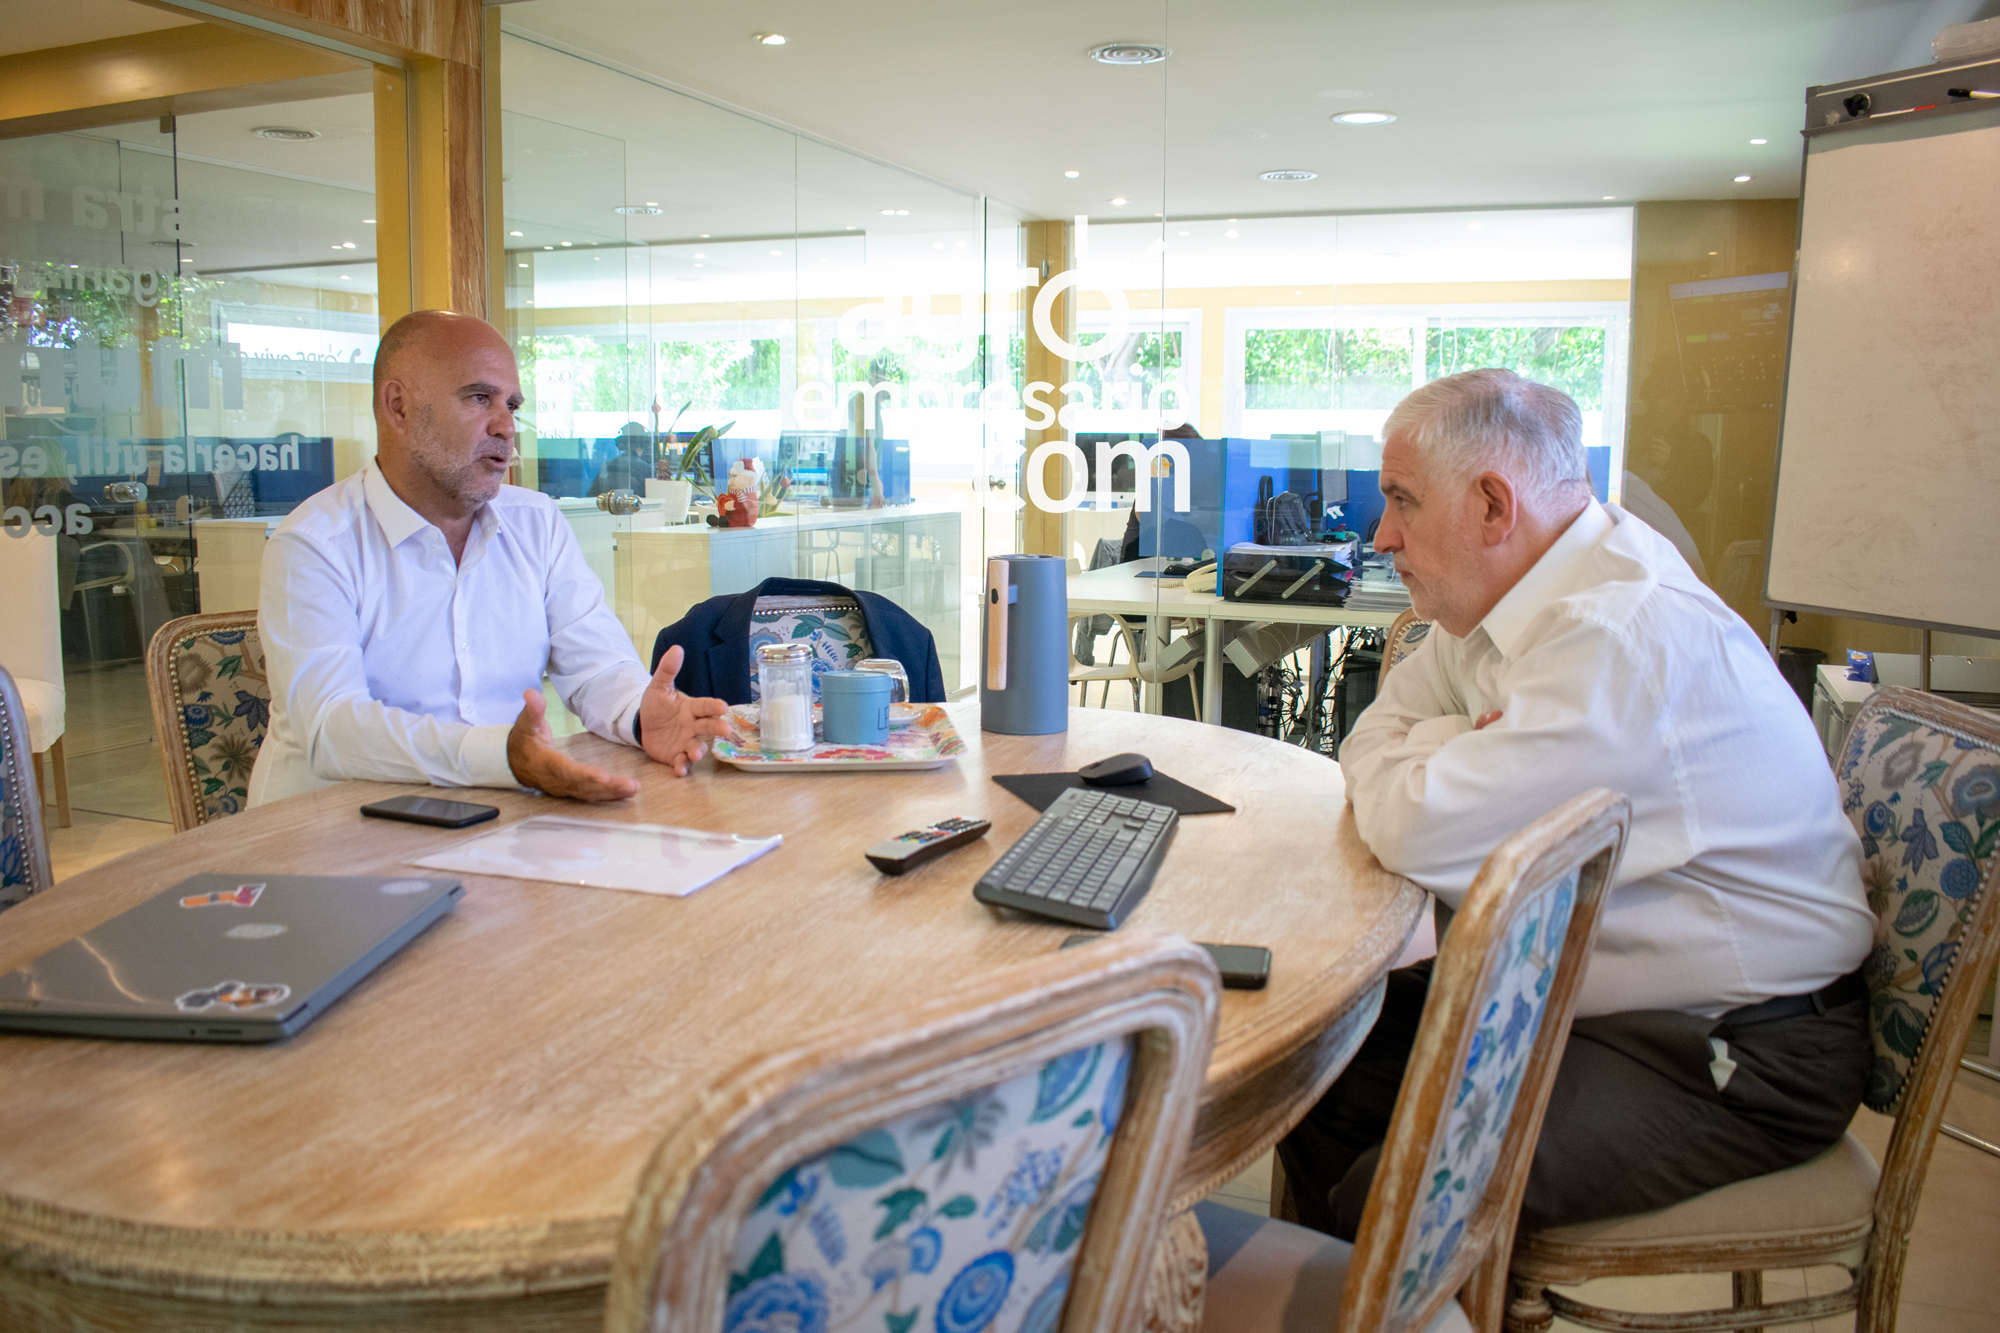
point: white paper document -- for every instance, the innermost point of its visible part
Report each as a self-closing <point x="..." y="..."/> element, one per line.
<point x="646" y="858"/>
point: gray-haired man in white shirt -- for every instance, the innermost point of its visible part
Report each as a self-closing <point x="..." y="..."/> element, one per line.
<point x="1721" y="1030"/>
<point x="409" y="612"/>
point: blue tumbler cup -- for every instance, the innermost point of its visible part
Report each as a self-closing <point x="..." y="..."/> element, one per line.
<point x="856" y="707"/>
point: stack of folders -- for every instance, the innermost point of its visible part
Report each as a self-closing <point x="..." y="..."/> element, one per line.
<point x="1378" y="589"/>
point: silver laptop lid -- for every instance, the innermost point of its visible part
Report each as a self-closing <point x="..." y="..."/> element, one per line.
<point x="223" y="957"/>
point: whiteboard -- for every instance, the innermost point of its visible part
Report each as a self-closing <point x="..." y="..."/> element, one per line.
<point x="1888" y="499"/>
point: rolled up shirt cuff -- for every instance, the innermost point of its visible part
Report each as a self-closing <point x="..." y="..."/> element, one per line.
<point x="485" y="755"/>
<point x="1433" y="732"/>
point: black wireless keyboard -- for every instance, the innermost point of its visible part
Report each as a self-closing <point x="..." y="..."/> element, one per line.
<point x="1088" y="860"/>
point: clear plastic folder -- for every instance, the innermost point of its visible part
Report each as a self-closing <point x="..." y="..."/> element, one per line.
<point x="645" y="858"/>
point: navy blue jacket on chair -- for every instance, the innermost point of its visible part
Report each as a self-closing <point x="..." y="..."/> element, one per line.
<point x="715" y="636"/>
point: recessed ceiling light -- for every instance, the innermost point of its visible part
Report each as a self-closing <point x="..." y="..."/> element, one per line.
<point x="368" y="222"/>
<point x="1610" y="196"/>
<point x="703" y="236"/>
<point x="699" y="255"/>
<point x="1713" y="253"/>
<point x="1741" y="179"/>
<point x="513" y="233"/>
<point x="768" y="38"/>
<point x="1288" y="176"/>
<point x="520" y="266"/>
<point x="548" y="247"/>
<point x="652" y="203"/>
<point x="345" y="278"/>
<point x="854" y="229"/>
<point x="1760" y="141"/>
<point x="1229" y="235"/>
<point x="776" y="253"/>
<point x="1129" y="53"/>
<point x="1118" y="203"/>
<point x="566" y="244"/>
<point x="1363" y="117"/>
<point x="1072" y="174"/>
<point x="644" y="210"/>
<point x="347" y="245"/>
<point x="333" y="247"/>
<point x="1182" y="233"/>
<point x="284" y="133"/>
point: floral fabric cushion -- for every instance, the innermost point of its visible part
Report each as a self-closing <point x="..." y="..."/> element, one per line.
<point x="1468" y="1136"/>
<point x="961" y="1218"/>
<point x="225" y="703"/>
<point x="1926" y="802"/>
<point x="831" y="626"/>
<point x="1408" y="643"/>
<point x="16" y="862"/>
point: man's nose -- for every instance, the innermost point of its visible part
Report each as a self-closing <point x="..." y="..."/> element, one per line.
<point x="1388" y="537"/>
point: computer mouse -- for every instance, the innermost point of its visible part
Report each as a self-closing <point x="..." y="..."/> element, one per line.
<point x="1120" y="770"/>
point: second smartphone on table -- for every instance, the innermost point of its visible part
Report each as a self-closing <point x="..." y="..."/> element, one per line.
<point x="1243" y="966"/>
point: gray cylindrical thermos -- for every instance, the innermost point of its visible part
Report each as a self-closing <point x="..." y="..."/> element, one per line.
<point x="1024" y="646"/>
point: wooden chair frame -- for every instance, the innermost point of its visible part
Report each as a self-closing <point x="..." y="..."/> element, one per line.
<point x="1873" y="1251"/>
<point x="676" y="1245"/>
<point x="163" y="685"/>
<point x="1589" y="833"/>
<point x="20" y="779"/>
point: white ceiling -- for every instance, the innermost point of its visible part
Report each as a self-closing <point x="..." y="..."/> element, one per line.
<point x="36" y="27"/>
<point x="1500" y="102"/>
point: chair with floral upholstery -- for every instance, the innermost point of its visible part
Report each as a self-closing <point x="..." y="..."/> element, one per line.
<point x="24" y="854"/>
<point x="831" y="626"/>
<point x="211" y="707"/>
<point x="998" y="1160"/>
<point x="1406" y="632"/>
<point x="1920" y="778"/>
<point x="1431" y="1251"/>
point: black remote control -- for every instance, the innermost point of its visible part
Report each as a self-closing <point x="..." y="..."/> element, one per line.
<point x="920" y="845"/>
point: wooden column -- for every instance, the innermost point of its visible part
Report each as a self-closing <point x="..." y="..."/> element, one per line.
<point x="1042" y="533"/>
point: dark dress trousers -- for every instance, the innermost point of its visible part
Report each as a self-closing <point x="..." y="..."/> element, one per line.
<point x="715" y="635"/>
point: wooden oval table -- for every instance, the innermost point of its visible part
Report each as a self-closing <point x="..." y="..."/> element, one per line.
<point x="453" y="1144"/>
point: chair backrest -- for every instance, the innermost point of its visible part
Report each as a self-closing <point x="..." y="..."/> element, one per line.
<point x="1405" y="633"/>
<point x="1463" y="1134"/>
<point x="24" y="852"/>
<point x="832" y="626"/>
<point x="32" y="645"/>
<point x="985" y="1160"/>
<point x="1920" y="778"/>
<point x="211" y="707"/>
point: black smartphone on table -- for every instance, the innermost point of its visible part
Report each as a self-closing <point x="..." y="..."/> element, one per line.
<point x="1243" y="966"/>
<point x="431" y="810"/>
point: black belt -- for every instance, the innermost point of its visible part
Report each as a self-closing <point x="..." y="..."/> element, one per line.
<point x="1844" y="991"/>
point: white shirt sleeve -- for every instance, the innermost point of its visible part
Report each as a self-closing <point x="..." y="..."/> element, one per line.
<point x="1432" y="797"/>
<point x="309" y="614"/>
<point x="591" y="660"/>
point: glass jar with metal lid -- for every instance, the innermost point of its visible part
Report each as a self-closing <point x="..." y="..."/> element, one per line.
<point x="784" y="688"/>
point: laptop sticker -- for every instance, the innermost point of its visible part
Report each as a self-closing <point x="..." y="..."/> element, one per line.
<point x="255" y="930"/>
<point x="243" y="895"/>
<point x="402" y="888"/>
<point x="237" y="996"/>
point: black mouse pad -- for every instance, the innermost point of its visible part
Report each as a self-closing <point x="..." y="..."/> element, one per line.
<point x="1041" y="789"/>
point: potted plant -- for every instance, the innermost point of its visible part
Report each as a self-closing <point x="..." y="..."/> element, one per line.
<point x="684" y="470"/>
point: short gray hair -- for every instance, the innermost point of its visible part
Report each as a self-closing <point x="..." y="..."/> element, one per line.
<point x="1480" y="417"/>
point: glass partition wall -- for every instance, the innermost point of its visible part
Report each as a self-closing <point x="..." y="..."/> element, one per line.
<point x="736" y="323"/>
<point x="187" y="326"/>
<point x="921" y="377"/>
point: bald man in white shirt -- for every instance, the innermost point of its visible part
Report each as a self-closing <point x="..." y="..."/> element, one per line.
<point x="1721" y="1029"/>
<point x="408" y="613"/>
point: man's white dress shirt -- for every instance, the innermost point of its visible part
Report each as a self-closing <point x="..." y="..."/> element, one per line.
<point x="391" y="662"/>
<point x="1613" y="666"/>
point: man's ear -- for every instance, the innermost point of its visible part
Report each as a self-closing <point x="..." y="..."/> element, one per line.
<point x="392" y="403"/>
<point x="1499" y="507"/>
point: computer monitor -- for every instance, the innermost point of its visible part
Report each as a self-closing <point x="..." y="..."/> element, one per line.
<point x="1122" y="470"/>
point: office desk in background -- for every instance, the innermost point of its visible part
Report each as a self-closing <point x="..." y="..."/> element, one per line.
<point x="468" y="1123"/>
<point x="1121" y="591"/>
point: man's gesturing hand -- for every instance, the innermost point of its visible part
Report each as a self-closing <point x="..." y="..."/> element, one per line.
<point x="532" y="754"/>
<point x="676" y="728"/>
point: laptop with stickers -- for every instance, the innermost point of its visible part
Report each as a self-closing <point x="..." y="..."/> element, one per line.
<point x="224" y="958"/>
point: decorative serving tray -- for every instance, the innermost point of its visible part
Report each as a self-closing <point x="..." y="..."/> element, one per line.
<point x="929" y="741"/>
